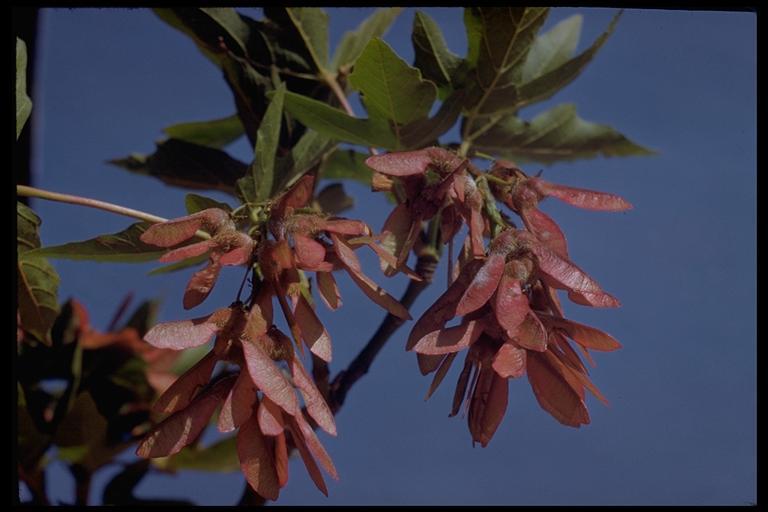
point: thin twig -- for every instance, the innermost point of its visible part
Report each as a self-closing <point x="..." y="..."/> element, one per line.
<point x="330" y="79"/>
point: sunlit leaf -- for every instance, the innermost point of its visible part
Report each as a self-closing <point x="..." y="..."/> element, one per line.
<point x="432" y="55"/>
<point x="552" y="48"/>
<point x="312" y="25"/>
<point x="216" y="133"/>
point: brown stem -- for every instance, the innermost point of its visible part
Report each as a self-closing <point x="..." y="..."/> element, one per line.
<point x="345" y="379"/>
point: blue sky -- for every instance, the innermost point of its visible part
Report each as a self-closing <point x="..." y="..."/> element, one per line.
<point x="681" y="428"/>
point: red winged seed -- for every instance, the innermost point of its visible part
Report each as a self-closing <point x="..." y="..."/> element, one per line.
<point x="396" y="234"/>
<point x="581" y="198"/>
<point x="328" y="289"/>
<point x="309" y="252"/>
<point x="488" y="405"/>
<point x="175" y="231"/>
<point x="180" y="394"/>
<point x="314" y="401"/>
<point x="510" y="305"/>
<point x="188" y="251"/>
<point x="239" y="245"/>
<point x="553" y="393"/>
<point x="238" y="406"/>
<point x="483" y="285"/>
<point x="597" y="300"/>
<point x="315" y="447"/>
<point x="546" y="230"/>
<point x="346" y="227"/>
<point x="268" y="377"/>
<point x="281" y="459"/>
<point x="312" y="331"/>
<point x="406" y="163"/>
<point x="584" y="335"/>
<point x="257" y="460"/>
<point x="182" y="334"/>
<point x="346" y="253"/>
<point x="509" y="361"/>
<point x="428" y="363"/>
<point x="270" y="418"/>
<point x="377" y="294"/>
<point x="461" y="386"/>
<point x="184" y="426"/>
<point x="442" y="370"/>
<point x="201" y="283"/>
<point x="451" y="339"/>
<point x="531" y="333"/>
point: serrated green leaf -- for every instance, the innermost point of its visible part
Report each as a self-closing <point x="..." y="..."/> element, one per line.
<point x="256" y="186"/>
<point x="553" y="48"/>
<point x="390" y="88"/>
<point x="179" y="265"/>
<point x="124" y="246"/>
<point x="547" y="84"/>
<point x="184" y="164"/>
<point x="38" y="282"/>
<point x="23" y="102"/>
<point x="312" y="25"/>
<point x="336" y="124"/>
<point x="499" y="40"/>
<point x="555" y="135"/>
<point x="219" y="457"/>
<point x="432" y="56"/>
<point x="195" y="203"/>
<point x="216" y="133"/>
<point x="352" y="43"/>
<point x="346" y="164"/>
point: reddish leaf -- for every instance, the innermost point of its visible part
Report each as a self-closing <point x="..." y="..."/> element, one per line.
<point x="397" y="235"/>
<point x="183" y="390"/>
<point x="581" y="198"/>
<point x="238" y="406"/>
<point x="312" y="330"/>
<point x="509" y="361"/>
<point x="597" y="300"/>
<point x="346" y="227"/>
<point x="442" y="370"/>
<point x="270" y="418"/>
<point x="428" y="363"/>
<point x="309" y="462"/>
<point x="315" y="447"/>
<point x="316" y="406"/>
<point x="268" y="377"/>
<point x="183" y="427"/>
<point x="584" y="335"/>
<point x="188" y="251"/>
<point x="461" y="386"/>
<point x="281" y="459"/>
<point x="328" y="289"/>
<point x="345" y="253"/>
<point x="546" y="230"/>
<point x="579" y="372"/>
<point x="257" y="461"/>
<point x="511" y="304"/>
<point x="377" y="294"/>
<point x="405" y="163"/>
<point x="531" y="333"/>
<point x="483" y="285"/>
<point x="297" y="197"/>
<point x="309" y="252"/>
<point x="553" y="393"/>
<point x="445" y="306"/>
<point x="488" y="405"/>
<point x="172" y="232"/>
<point x="236" y="247"/>
<point x="181" y="334"/>
<point x="202" y="283"/>
<point x="451" y="339"/>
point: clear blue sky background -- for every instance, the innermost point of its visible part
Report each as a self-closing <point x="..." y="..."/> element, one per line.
<point x="681" y="428"/>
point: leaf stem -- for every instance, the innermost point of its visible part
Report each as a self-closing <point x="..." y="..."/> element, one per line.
<point x="26" y="191"/>
<point x="330" y="79"/>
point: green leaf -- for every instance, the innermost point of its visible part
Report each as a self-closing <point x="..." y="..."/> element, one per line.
<point x="424" y="132"/>
<point x="552" y="48"/>
<point x="547" y="84"/>
<point x="23" y="102"/>
<point x="179" y="265"/>
<point x="82" y="425"/>
<point x="432" y="55"/>
<point x="390" y="88"/>
<point x="144" y="317"/>
<point x="334" y="200"/>
<point x="195" y="203"/>
<point x="124" y="246"/>
<point x="312" y="25"/>
<point x="304" y="156"/>
<point x="353" y="43"/>
<point x="38" y="282"/>
<point x="334" y="123"/>
<point x="220" y="457"/>
<point x="555" y="135"/>
<point x="184" y="164"/>
<point x="256" y="186"/>
<point x="346" y="164"/>
<point x="499" y="40"/>
<point x="216" y="133"/>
